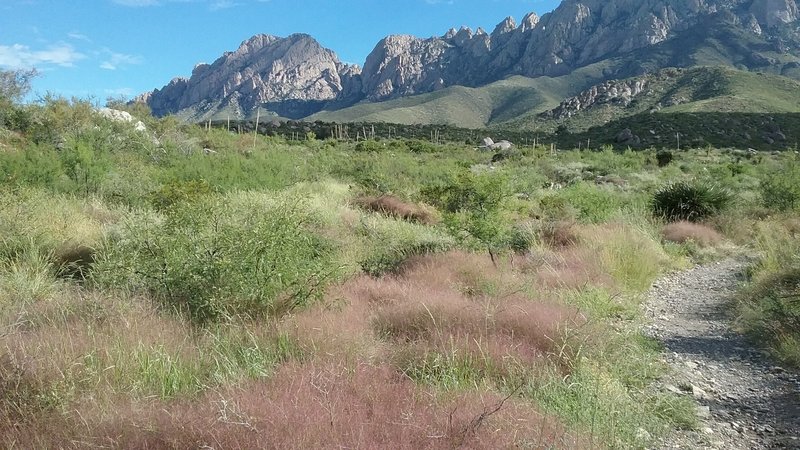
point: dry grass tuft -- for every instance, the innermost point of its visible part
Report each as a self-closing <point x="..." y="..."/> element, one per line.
<point x="681" y="232"/>
<point x="570" y="268"/>
<point x="308" y="406"/>
<point x="560" y="234"/>
<point x="453" y="302"/>
<point x="395" y="207"/>
<point x="792" y="225"/>
<point x="74" y="260"/>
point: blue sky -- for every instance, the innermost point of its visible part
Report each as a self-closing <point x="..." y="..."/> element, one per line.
<point x="101" y="48"/>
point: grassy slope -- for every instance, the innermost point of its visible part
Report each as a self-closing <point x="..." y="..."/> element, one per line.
<point x="749" y="92"/>
<point x="722" y="106"/>
<point x="458" y="105"/>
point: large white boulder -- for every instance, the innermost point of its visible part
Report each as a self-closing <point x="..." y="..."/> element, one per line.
<point x="122" y="116"/>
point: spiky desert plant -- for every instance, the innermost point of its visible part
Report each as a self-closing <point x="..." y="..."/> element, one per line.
<point x="690" y="201"/>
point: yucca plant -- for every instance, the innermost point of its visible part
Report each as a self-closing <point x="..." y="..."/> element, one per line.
<point x="690" y="201"/>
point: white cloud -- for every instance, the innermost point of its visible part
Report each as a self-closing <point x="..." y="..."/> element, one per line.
<point x="78" y="36"/>
<point x="18" y="56"/>
<point x="114" y="60"/>
<point x="216" y="5"/>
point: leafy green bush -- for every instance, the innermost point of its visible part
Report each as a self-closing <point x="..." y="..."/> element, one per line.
<point x="390" y="259"/>
<point x="663" y="158"/>
<point x="594" y="203"/>
<point x="770" y="312"/>
<point x="781" y="189"/>
<point x="690" y="201"/>
<point x="178" y="192"/>
<point x="34" y="165"/>
<point x="14" y="86"/>
<point x="370" y="146"/>
<point x="420" y="146"/>
<point x="214" y="260"/>
<point x="85" y="160"/>
<point x="391" y="242"/>
<point x="473" y="206"/>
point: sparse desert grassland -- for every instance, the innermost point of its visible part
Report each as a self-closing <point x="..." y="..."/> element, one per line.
<point x="306" y="293"/>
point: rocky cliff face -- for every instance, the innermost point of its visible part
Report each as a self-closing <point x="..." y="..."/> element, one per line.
<point x="295" y="76"/>
<point x="264" y="70"/>
<point x="577" y="33"/>
<point x="615" y="92"/>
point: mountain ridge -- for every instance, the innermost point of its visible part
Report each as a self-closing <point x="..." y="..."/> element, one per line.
<point x="296" y="77"/>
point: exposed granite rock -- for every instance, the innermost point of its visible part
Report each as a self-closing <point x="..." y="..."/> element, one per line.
<point x="610" y="92"/>
<point x="264" y="69"/>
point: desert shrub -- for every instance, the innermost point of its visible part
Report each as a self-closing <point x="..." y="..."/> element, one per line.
<point x="389" y="259"/>
<point x="391" y="243"/>
<point x="34" y="165"/>
<point x="663" y="158"/>
<point x="85" y="158"/>
<point x="420" y="146"/>
<point x="681" y="232"/>
<point x="473" y="206"/>
<point x="594" y="204"/>
<point x="690" y="201"/>
<point x="555" y="207"/>
<point x="559" y="234"/>
<point x="511" y="154"/>
<point x="177" y="192"/>
<point x="781" y="189"/>
<point x="213" y="260"/>
<point x="770" y="312"/>
<point x="14" y="86"/>
<point x="396" y="207"/>
<point x="369" y="146"/>
<point x="520" y="239"/>
<point x="47" y="224"/>
<point x="57" y="117"/>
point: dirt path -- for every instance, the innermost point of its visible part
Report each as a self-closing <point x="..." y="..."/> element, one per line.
<point x="746" y="401"/>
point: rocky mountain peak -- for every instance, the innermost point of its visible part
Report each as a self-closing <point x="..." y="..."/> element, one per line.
<point x="290" y="74"/>
<point x="463" y="36"/>
<point x="529" y="22"/>
<point x="506" y="26"/>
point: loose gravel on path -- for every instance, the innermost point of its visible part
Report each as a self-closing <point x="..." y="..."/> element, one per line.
<point x="746" y="400"/>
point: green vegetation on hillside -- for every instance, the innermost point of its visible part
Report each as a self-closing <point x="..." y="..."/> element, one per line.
<point x="459" y="106"/>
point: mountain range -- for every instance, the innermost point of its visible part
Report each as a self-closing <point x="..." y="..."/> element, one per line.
<point x="532" y="69"/>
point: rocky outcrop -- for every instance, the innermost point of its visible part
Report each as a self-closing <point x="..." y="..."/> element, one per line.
<point x="116" y="115"/>
<point x="264" y="70"/>
<point x="614" y="92"/>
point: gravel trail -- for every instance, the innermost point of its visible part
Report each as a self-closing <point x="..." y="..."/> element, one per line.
<point x="746" y="401"/>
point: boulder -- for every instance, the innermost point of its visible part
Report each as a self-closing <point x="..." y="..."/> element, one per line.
<point x="122" y="116"/>
<point x="626" y="137"/>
